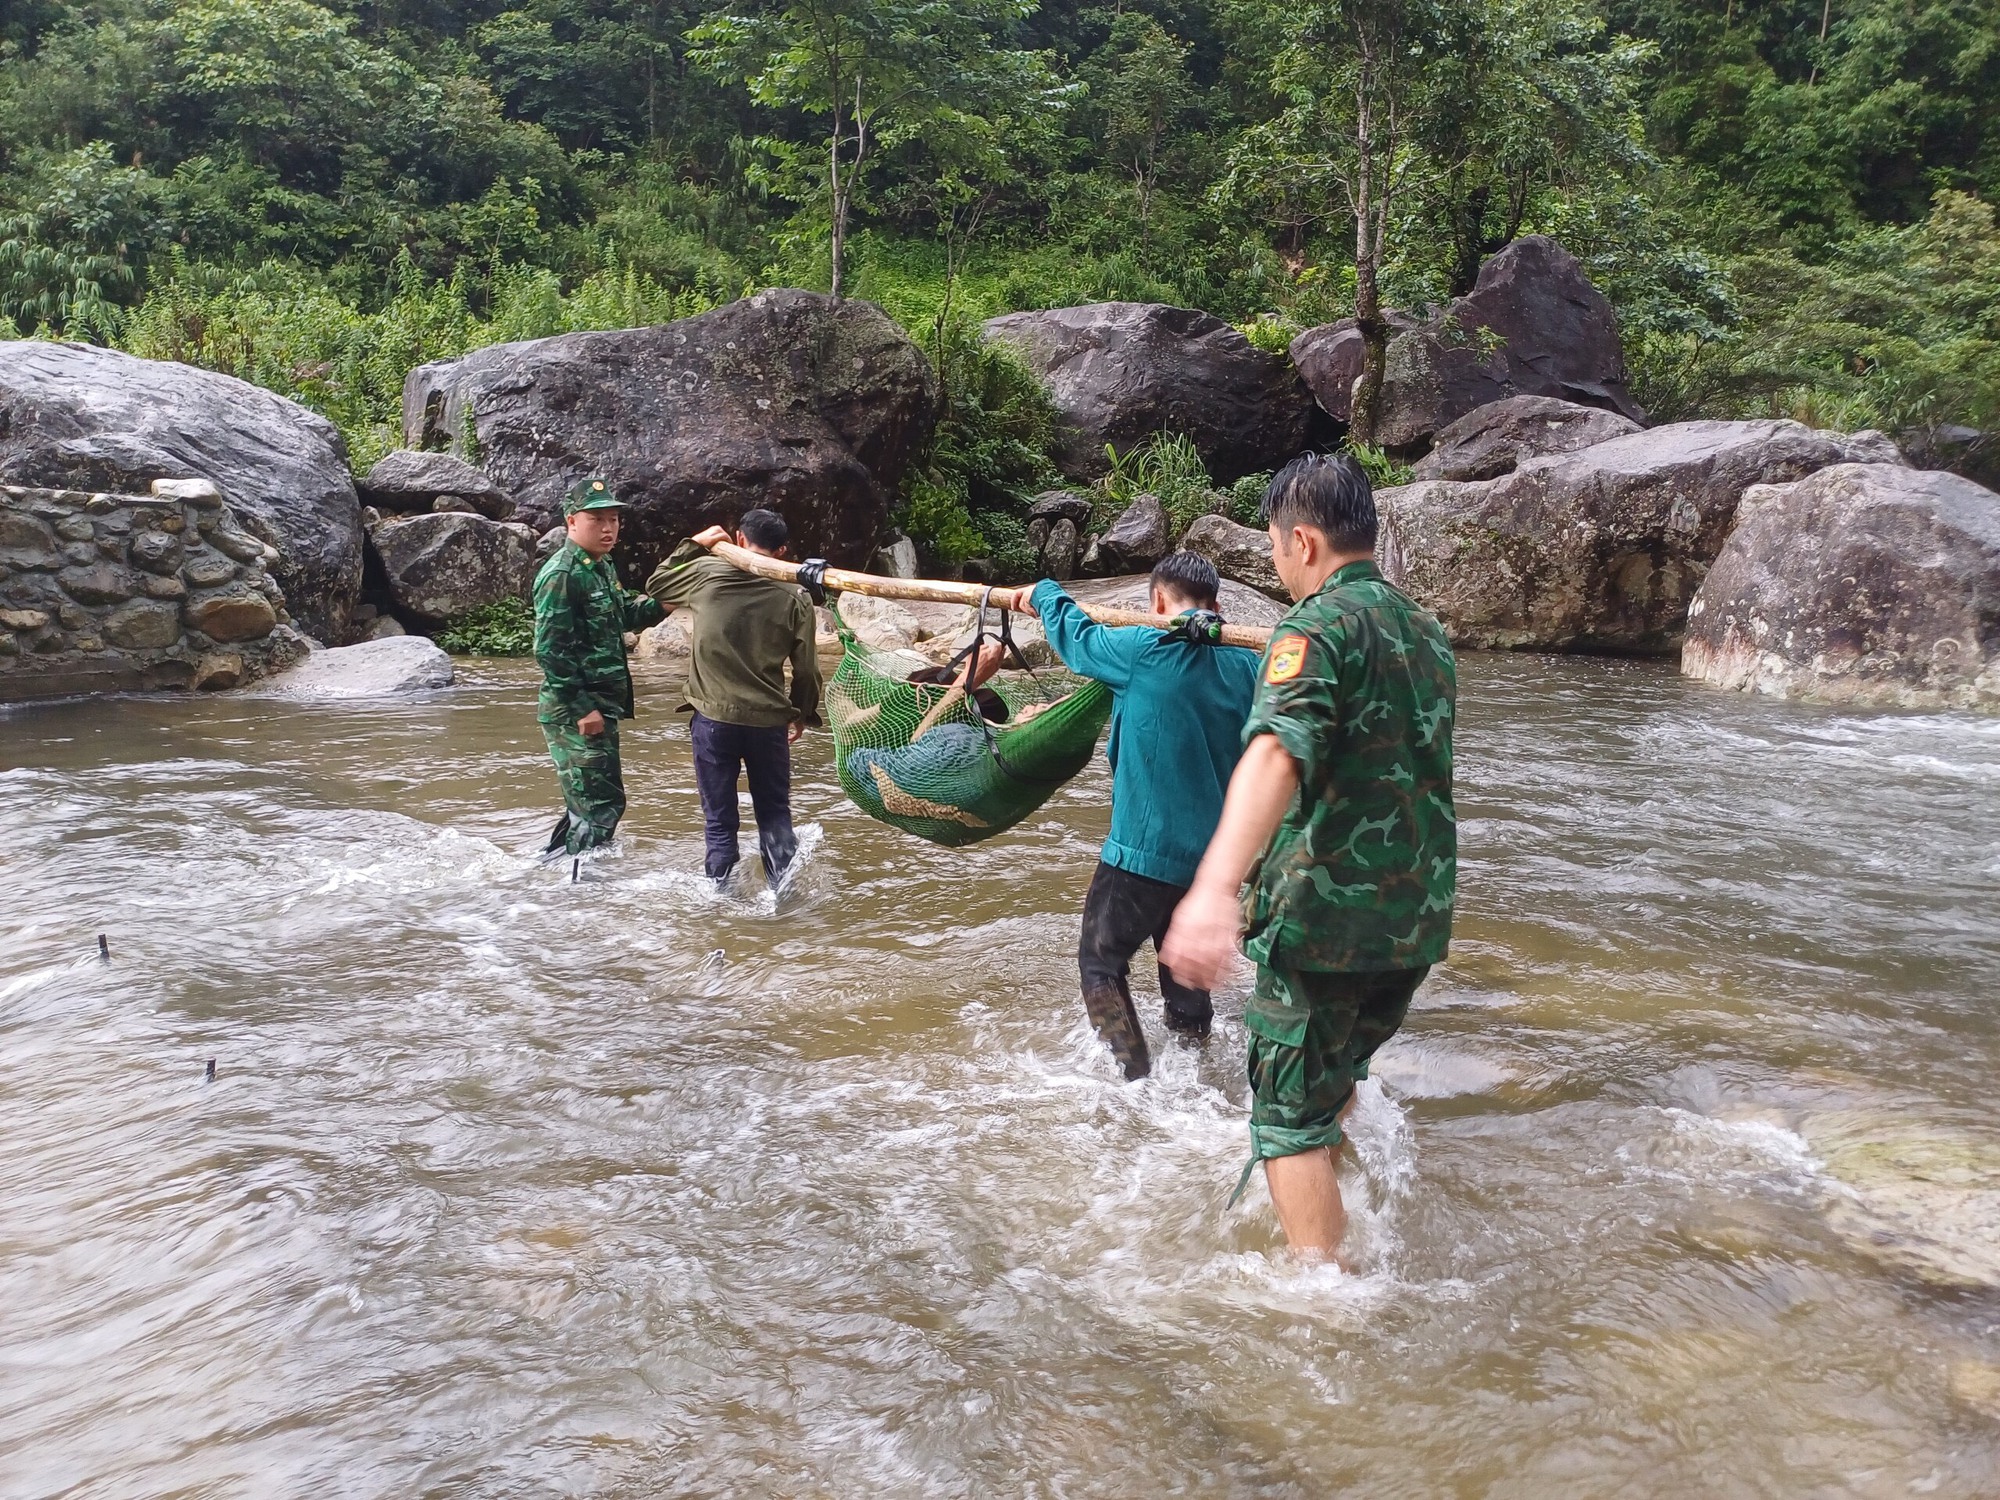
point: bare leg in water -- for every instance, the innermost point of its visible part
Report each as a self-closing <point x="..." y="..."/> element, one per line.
<point x="1305" y="1190"/>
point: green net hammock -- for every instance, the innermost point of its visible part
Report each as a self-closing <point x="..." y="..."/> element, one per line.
<point x="922" y="758"/>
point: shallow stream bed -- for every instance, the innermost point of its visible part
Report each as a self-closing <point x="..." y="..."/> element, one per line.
<point x="1683" y="1179"/>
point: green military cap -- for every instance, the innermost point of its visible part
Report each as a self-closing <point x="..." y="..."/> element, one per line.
<point x="590" y="494"/>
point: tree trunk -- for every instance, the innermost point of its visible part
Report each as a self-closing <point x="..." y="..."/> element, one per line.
<point x="1367" y="262"/>
<point x="837" y="209"/>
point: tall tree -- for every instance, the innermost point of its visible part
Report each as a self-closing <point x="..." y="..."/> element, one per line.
<point x="870" y="69"/>
<point x="1356" y="83"/>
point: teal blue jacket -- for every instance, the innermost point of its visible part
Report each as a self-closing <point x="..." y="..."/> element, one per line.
<point x="1177" y="715"/>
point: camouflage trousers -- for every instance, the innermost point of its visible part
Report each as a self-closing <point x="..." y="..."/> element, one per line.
<point x="1311" y="1036"/>
<point x="593" y="786"/>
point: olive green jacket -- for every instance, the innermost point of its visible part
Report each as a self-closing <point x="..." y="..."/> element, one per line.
<point x="746" y="629"/>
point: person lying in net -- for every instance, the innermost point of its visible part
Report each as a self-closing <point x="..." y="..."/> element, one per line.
<point x="985" y="662"/>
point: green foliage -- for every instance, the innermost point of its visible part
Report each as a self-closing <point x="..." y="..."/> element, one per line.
<point x="1789" y="204"/>
<point x="1246" y="499"/>
<point x="969" y="494"/>
<point x="506" y="627"/>
<point x="1168" y="467"/>
<point x="1383" y="472"/>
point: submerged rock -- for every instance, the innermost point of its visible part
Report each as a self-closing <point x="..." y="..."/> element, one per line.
<point x="1122" y="372"/>
<point x="1601" y="549"/>
<point x="389" y="667"/>
<point x="76" y="417"/>
<point x="787" y="399"/>
<point x="1862" y="583"/>
<point x="1925" y="1201"/>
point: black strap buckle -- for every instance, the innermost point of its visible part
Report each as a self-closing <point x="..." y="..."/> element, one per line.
<point x="812" y="578"/>
<point x="1201" y="627"/>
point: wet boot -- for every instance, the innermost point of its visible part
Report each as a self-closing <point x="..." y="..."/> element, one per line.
<point x="1190" y="1031"/>
<point x="1117" y="1024"/>
<point x="560" y="838"/>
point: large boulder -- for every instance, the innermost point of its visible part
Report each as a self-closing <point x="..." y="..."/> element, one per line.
<point x="76" y="417"/>
<point x="786" y="399"/>
<point x="1122" y="372"/>
<point x="392" y="667"/>
<point x="1140" y="537"/>
<point x="439" y="565"/>
<point x="1240" y="553"/>
<point x="1533" y="325"/>
<point x="1862" y="583"/>
<point x="408" y="480"/>
<point x="1601" y="549"/>
<point x="1493" y="439"/>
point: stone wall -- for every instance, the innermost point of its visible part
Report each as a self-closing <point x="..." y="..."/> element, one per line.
<point x="115" y="593"/>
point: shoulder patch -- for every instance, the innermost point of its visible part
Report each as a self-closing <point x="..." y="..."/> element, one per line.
<point x="1287" y="658"/>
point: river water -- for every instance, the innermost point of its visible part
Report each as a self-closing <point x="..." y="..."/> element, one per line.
<point x="1684" y="1177"/>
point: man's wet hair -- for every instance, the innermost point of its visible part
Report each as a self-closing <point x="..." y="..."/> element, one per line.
<point x="1329" y="491"/>
<point x="765" y="529"/>
<point x="1188" y="576"/>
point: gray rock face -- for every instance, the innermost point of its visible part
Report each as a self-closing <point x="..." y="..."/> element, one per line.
<point x="1493" y="439"/>
<point x="1601" y="549"/>
<point x="74" y="417"/>
<point x="1120" y="372"/>
<point x="391" y="667"/>
<point x="1135" y="541"/>
<point x="786" y="399"/>
<point x="1241" y="553"/>
<point x="1533" y="325"/>
<point x="407" y="480"/>
<point x="1061" y="505"/>
<point x="440" y="565"/>
<point x="1862" y="583"/>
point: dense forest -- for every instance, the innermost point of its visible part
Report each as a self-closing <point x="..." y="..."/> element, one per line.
<point x="1790" y="202"/>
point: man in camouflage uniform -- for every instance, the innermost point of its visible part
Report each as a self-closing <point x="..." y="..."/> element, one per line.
<point x="1340" y="817"/>
<point x="581" y="616"/>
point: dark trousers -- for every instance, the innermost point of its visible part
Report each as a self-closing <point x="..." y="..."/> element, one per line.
<point x="721" y="752"/>
<point x="1121" y="912"/>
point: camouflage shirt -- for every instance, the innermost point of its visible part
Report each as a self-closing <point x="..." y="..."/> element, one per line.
<point x="1359" y="685"/>
<point x="581" y="616"/>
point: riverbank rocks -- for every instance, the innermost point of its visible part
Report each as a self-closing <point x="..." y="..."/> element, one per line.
<point x="787" y="399"/>
<point x="1140" y="537"/>
<point x="1601" y="549"/>
<point x="78" y="418"/>
<point x="1057" y="522"/>
<point x="1122" y="372"/>
<point x="1864" y="584"/>
<point x="1533" y="325"/>
<point x="437" y="566"/>
<point x="1492" y="440"/>
<point x="406" y="481"/>
<point x="1241" y="554"/>
<point x="108" y="593"/>
<point x="395" y="666"/>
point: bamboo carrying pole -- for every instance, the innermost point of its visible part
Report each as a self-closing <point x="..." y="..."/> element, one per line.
<point x="937" y="591"/>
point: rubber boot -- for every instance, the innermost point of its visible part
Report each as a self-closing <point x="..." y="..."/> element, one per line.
<point x="1117" y="1023"/>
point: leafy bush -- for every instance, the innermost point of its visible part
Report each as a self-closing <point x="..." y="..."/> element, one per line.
<point x="1246" y="498"/>
<point x="506" y="627"/>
